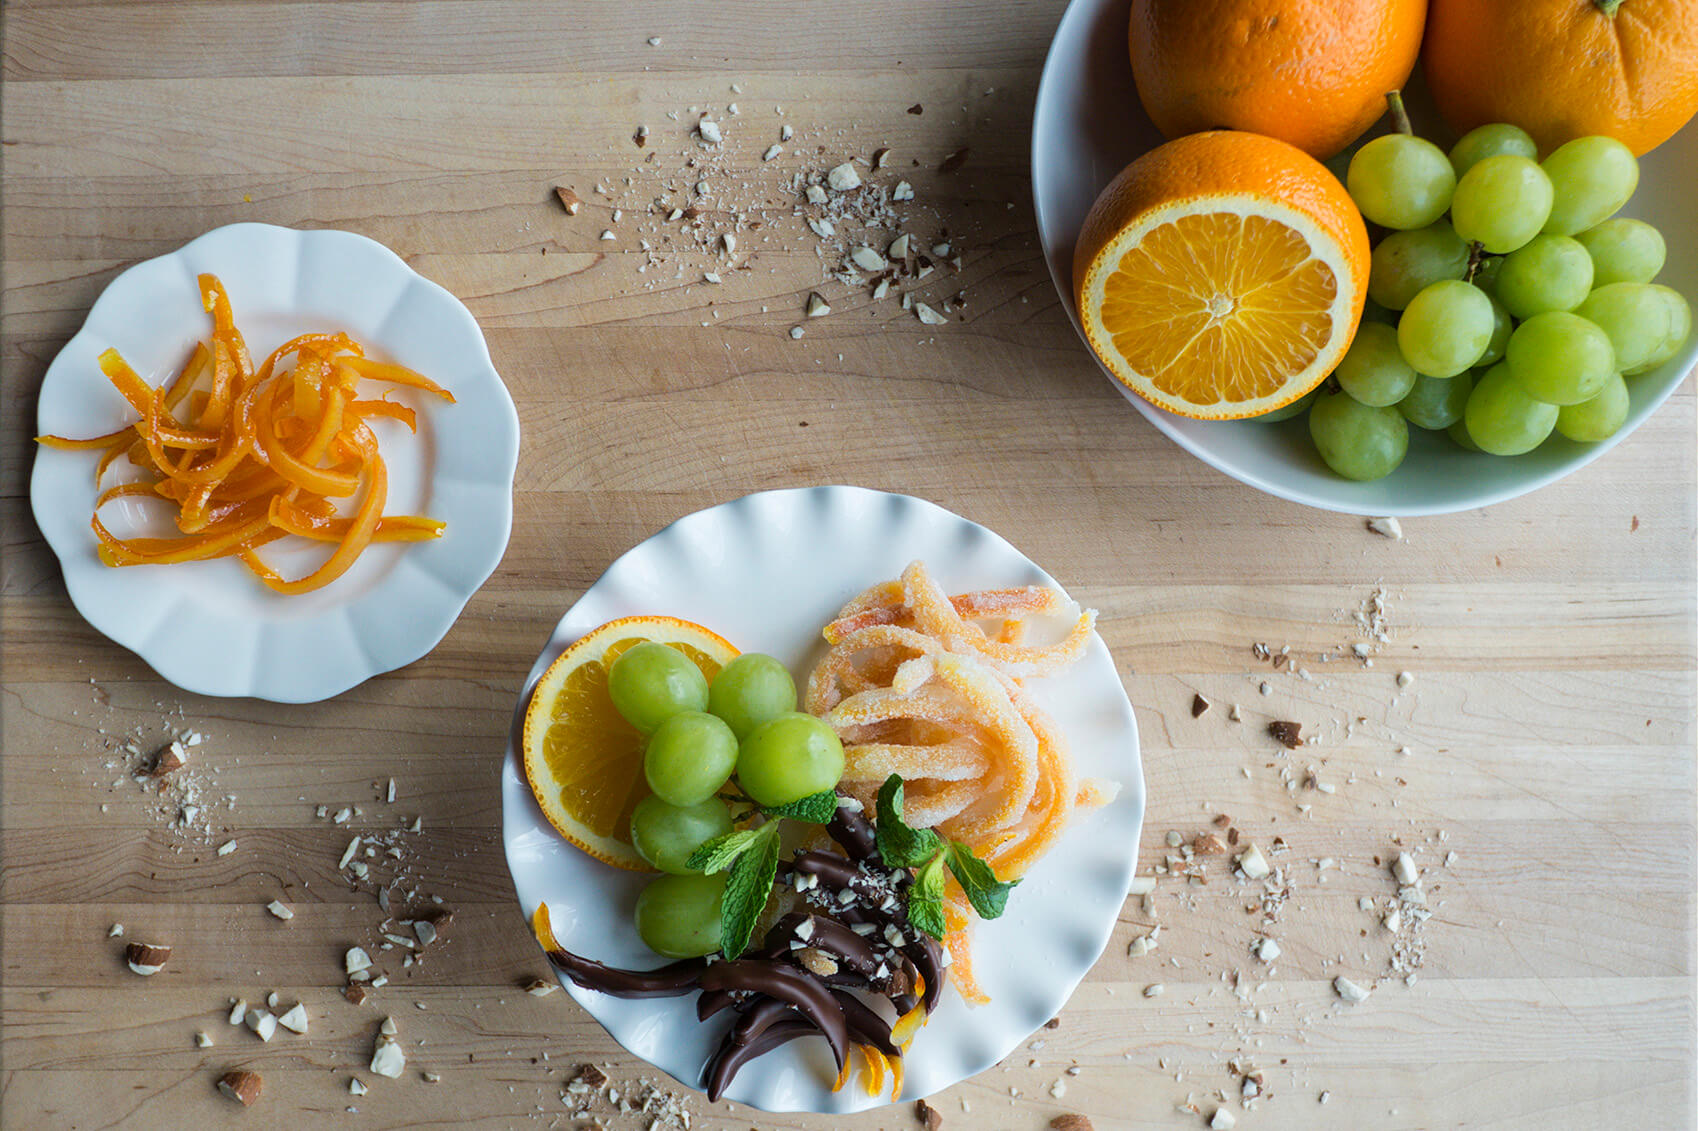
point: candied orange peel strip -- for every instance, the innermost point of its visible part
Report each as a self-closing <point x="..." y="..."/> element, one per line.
<point x="257" y="453"/>
<point x="932" y="687"/>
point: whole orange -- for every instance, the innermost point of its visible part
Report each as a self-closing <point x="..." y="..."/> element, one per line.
<point x="1314" y="73"/>
<point x="1562" y="69"/>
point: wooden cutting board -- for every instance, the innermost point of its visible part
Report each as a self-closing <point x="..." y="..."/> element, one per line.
<point x="1547" y="738"/>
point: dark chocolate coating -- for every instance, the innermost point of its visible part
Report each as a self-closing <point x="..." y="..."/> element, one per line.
<point x="664" y="981"/>
<point x="867" y="1027"/>
<point x="727" y="1059"/>
<point x="789" y="984"/>
<point x="712" y="1002"/>
<point x="855" y="833"/>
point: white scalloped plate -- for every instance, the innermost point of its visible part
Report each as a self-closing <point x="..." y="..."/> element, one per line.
<point x="211" y="627"/>
<point x="767" y="571"/>
<point x="1088" y="125"/>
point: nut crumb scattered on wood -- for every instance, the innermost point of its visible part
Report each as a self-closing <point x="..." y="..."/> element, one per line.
<point x="1288" y="733"/>
<point x="1387" y="528"/>
<point x="1070" y="1122"/>
<point x="955" y="160"/>
<point x="241" y="1086"/>
<point x="172" y="756"/>
<point x="146" y="959"/>
<point x="569" y="200"/>
<point x="1198" y="706"/>
<point x="927" y="1115"/>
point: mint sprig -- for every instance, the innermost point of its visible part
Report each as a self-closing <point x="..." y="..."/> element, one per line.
<point x="750" y="857"/>
<point x="925" y="898"/>
<point x="747" y="889"/>
<point x="816" y="808"/>
<point x="929" y="853"/>
<point x="899" y="845"/>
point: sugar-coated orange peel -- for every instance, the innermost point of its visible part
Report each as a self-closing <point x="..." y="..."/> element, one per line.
<point x="249" y="455"/>
<point x="932" y="687"/>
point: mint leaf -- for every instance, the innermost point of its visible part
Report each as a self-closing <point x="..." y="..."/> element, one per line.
<point x="925" y="898"/>
<point x="901" y="846"/>
<point x="747" y="889"/>
<point x="985" y="892"/>
<point x="717" y="854"/>
<point x="818" y="808"/>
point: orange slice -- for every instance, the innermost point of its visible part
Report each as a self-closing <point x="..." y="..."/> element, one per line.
<point x="584" y="762"/>
<point x="1221" y="275"/>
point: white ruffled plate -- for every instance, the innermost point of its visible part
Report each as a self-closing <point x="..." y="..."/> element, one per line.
<point x="767" y="571"/>
<point x="212" y="627"/>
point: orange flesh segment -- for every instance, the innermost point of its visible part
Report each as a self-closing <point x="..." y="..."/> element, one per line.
<point x="594" y="754"/>
<point x="1218" y="306"/>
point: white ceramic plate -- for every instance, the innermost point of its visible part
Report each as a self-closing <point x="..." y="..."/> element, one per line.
<point x="1089" y="124"/>
<point x="211" y="627"/>
<point x="767" y="572"/>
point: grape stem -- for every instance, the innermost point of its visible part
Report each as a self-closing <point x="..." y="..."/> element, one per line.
<point x="1476" y="255"/>
<point x="1400" y="116"/>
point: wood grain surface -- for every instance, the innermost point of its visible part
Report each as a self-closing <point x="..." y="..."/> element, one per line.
<point x="1547" y="738"/>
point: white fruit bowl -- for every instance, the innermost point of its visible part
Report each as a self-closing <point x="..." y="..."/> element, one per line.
<point x="1089" y="124"/>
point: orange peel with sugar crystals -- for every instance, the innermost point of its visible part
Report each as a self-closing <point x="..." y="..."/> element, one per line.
<point x="257" y="454"/>
<point x="932" y="688"/>
<point x="935" y="614"/>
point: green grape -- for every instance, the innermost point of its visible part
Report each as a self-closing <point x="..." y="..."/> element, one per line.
<point x="1356" y="440"/>
<point x="689" y="756"/>
<point x="1374" y="312"/>
<point x="787" y="758"/>
<point x="678" y="916"/>
<point x="1405" y="263"/>
<point x="1502" y="202"/>
<point x="1401" y="181"/>
<point x="1591" y="177"/>
<point x="1295" y="408"/>
<point x="1559" y="358"/>
<point x="1445" y="328"/>
<point x="1545" y="273"/>
<point x="1637" y="317"/>
<point x="1482" y="142"/>
<point x="750" y="690"/>
<point x="1502" y="419"/>
<point x="1679" y="331"/>
<point x="1624" y="251"/>
<point x="665" y="835"/>
<point x="1502" y="327"/>
<point x="1647" y="323"/>
<point x="1373" y="370"/>
<point x="650" y="682"/>
<point x="1436" y="402"/>
<point x="1596" y="419"/>
<point x="1458" y="433"/>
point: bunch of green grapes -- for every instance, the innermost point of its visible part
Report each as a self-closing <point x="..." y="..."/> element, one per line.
<point x="1504" y="303"/>
<point x="701" y="734"/>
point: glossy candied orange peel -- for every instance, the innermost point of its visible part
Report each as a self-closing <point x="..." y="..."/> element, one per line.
<point x="248" y="455"/>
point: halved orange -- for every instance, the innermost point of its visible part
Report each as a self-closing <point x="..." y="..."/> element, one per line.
<point x="584" y="762"/>
<point x="1222" y="275"/>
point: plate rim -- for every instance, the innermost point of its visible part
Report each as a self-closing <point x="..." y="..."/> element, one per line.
<point x="1058" y="260"/>
<point x="512" y="771"/>
<point x="85" y="586"/>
